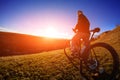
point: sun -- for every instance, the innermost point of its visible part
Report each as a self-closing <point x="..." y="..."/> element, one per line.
<point x="51" y="32"/>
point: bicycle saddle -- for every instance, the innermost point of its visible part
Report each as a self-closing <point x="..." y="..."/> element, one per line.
<point x="95" y="30"/>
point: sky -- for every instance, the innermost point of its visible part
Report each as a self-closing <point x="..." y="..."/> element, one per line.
<point x="56" y="17"/>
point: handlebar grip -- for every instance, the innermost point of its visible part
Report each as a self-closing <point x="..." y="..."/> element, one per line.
<point x="96" y="30"/>
<point x="74" y="30"/>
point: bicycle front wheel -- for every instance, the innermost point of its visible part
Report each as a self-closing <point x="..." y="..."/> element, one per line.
<point x="102" y="63"/>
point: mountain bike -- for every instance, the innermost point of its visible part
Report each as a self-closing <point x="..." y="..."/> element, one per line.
<point x="99" y="61"/>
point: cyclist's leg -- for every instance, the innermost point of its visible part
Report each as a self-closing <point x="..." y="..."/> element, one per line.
<point x="86" y="45"/>
<point x="75" y="43"/>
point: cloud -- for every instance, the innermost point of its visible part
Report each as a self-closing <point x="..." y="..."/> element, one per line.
<point x="5" y="29"/>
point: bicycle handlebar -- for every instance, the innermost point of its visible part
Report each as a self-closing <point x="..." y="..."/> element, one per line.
<point x="95" y="30"/>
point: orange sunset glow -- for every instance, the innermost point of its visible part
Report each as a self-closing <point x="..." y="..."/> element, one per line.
<point x="51" y="32"/>
<point x="59" y="39"/>
<point x="47" y="25"/>
<point x="55" y="18"/>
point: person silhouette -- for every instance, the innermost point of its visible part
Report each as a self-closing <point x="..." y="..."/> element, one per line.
<point x="82" y="32"/>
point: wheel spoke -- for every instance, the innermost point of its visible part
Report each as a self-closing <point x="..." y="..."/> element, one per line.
<point x="102" y="60"/>
<point x="105" y="60"/>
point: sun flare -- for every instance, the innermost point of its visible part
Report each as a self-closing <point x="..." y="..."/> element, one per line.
<point x="51" y="32"/>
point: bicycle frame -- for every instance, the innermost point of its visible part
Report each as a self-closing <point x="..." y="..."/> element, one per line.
<point x="85" y="53"/>
<point x="90" y="61"/>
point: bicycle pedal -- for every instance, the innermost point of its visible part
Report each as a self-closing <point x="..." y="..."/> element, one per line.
<point x="101" y="70"/>
<point x="95" y="74"/>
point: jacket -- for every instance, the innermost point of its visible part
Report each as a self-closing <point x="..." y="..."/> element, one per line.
<point x="82" y="24"/>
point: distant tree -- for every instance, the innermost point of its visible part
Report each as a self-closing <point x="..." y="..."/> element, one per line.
<point x="107" y="31"/>
<point x="118" y="25"/>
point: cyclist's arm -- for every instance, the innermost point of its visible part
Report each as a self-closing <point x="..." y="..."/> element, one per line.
<point x="76" y="28"/>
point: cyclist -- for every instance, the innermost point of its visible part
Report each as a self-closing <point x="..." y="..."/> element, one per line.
<point x="81" y="32"/>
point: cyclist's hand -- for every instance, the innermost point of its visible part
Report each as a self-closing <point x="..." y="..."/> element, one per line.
<point x="74" y="30"/>
<point x="97" y="29"/>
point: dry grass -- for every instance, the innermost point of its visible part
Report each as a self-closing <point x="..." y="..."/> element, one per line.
<point x="52" y="65"/>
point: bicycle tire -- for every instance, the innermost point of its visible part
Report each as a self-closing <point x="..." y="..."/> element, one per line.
<point x="65" y="52"/>
<point x="114" y="56"/>
<point x="113" y="53"/>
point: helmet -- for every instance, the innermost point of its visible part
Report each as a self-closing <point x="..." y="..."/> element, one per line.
<point x="80" y="12"/>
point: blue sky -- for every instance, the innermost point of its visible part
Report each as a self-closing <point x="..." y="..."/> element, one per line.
<point x="34" y="16"/>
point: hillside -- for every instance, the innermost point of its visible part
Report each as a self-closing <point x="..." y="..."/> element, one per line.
<point x="111" y="37"/>
<point x="51" y="65"/>
<point x="14" y="44"/>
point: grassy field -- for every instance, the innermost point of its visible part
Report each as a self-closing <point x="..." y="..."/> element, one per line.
<point x="51" y="65"/>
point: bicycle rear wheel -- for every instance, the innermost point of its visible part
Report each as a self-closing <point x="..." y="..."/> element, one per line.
<point x="75" y="61"/>
<point x="102" y="63"/>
